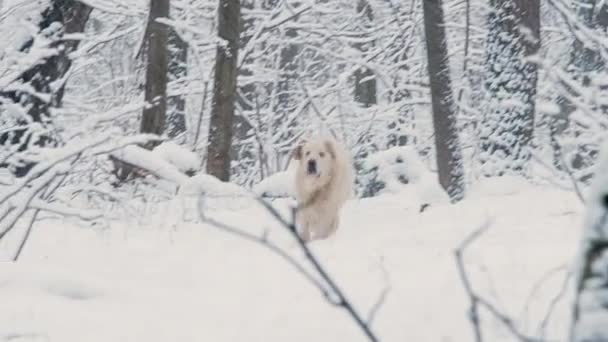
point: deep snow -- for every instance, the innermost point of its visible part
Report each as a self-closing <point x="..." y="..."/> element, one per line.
<point x="161" y="279"/>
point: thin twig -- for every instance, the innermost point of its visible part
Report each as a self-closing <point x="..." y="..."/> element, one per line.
<point x="539" y="284"/>
<point x="477" y="301"/>
<point x="27" y="234"/>
<point x="263" y="241"/>
<point x="545" y="322"/>
<point x="506" y="321"/>
<point x="474" y="301"/>
<point x="343" y="301"/>
<point x="569" y="172"/>
<point x="381" y="299"/>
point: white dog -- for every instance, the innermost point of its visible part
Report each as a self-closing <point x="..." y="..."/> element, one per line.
<point x="324" y="182"/>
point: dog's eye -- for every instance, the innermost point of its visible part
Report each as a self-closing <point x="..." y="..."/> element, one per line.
<point x="307" y="153"/>
<point x="322" y="154"/>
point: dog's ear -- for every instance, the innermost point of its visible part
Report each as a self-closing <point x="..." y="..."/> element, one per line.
<point x="297" y="152"/>
<point x="329" y="146"/>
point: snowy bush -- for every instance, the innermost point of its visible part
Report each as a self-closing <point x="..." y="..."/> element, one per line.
<point x="400" y="169"/>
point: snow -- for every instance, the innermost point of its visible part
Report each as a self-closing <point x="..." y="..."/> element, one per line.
<point x="152" y="162"/>
<point x="169" y="280"/>
<point x="403" y="164"/>
<point x="178" y="156"/>
<point x="280" y="184"/>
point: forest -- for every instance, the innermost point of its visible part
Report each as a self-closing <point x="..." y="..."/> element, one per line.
<point x="151" y="170"/>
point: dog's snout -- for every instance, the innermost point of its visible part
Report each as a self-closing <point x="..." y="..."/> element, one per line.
<point x="312" y="166"/>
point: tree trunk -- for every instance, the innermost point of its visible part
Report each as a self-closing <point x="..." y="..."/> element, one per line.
<point x="224" y="91"/>
<point x="449" y="159"/>
<point x="365" y="80"/>
<point x="246" y="94"/>
<point x="157" y="36"/>
<point x="73" y="16"/>
<point x="178" y="69"/>
<point x="506" y="132"/>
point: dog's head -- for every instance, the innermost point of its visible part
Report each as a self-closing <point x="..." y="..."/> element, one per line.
<point x="316" y="160"/>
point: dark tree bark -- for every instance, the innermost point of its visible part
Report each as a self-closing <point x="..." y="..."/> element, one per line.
<point x="246" y="95"/>
<point x="365" y="81"/>
<point x="157" y="36"/>
<point x="224" y="91"/>
<point x="154" y="114"/>
<point x="449" y="159"/>
<point x="178" y="69"/>
<point x="506" y="132"/>
<point x="73" y="15"/>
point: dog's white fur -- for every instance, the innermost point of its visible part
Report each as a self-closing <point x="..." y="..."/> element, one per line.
<point x="321" y="194"/>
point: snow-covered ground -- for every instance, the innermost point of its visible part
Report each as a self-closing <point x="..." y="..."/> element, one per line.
<point x="164" y="280"/>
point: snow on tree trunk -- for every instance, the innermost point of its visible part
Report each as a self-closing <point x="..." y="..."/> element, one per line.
<point x="288" y="74"/>
<point x="365" y="81"/>
<point x="449" y="159"/>
<point x="246" y="98"/>
<point x="58" y="18"/>
<point x="507" y="129"/>
<point x="157" y="36"/>
<point x="591" y="307"/>
<point x="224" y="91"/>
<point x="586" y="66"/>
<point x="178" y="69"/>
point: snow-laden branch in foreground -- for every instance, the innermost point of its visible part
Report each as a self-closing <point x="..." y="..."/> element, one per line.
<point x="35" y="190"/>
<point x="64" y="210"/>
<point x="149" y="161"/>
<point x="590" y="317"/>
<point x="327" y="286"/>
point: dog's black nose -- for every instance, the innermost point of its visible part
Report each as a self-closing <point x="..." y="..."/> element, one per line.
<point x="312" y="166"/>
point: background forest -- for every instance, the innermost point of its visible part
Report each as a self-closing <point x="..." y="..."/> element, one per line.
<point x="148" y="123"/>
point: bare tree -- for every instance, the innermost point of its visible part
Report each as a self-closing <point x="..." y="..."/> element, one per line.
<point x="506" y="131"/>
<point x="157" y="36"/>
<point x="449" y="159"/>
<point x="43" y="76"/>
<point x="224" y="90"/>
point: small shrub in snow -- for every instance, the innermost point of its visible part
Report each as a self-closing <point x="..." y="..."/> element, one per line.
<point x="400" y="169"/>
<point x="391" y="169"/>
